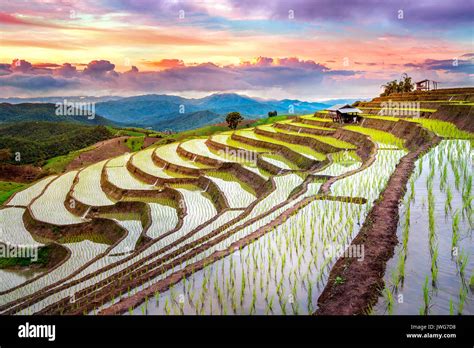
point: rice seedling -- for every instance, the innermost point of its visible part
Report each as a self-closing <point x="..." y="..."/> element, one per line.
<point x="462" y="262"/>
<point x="434" y="266"/>
<point x="388" y="300"/>
<point x="455" y="229"/>
<point x="462" y="299"/>
<point x="401" y="268"/>
<point x="426" y="298"/>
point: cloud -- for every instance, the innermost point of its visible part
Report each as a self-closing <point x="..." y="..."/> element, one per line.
<point x="99" y="68"/>
<point x="36" y="82"/>
<point x="20" y="65"/>
<point x="65" y="70"/>
<point x="290" y="75"/>
<point x="166" y="63"/>
<point x="446" y="65"/>
<point x="456" y="12"/>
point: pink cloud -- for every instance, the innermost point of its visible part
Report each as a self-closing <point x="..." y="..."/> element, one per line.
<point x="66" y="70"/>
<point x="20" y="65"/>
<point x="166" y="63"/>
<point x="99" y="68"/>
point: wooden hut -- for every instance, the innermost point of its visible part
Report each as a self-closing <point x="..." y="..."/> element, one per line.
<point x="344" y="113"/>
<point x="426" y="85"/>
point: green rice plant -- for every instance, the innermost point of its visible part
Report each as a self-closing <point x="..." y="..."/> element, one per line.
<point x="455" y="229"/>
<point x="254" y="301"/>
<point x="283" y="306"/>
<point x="431" y="213"/>
<point x="466" y="193"/>
<point x="295" y="307"/>
<point x="444" y="176"/>
<point x="434" y="266"/>
<point x="463" y="261"/>
<point x="389" y="300"/>
<point x="426" y="298"/>
<point x="449" y="198"/>
<point x="269" y="305"/>
<point x="406" y="229"/>
<point x="401" y="267"/>
<point x="310" y="297"/>
<point x="451" y="307"/>
<point x="462" y="299"/>
<point x="412" y="189"/>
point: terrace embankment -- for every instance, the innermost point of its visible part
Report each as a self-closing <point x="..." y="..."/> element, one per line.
<point x="317" y="123"/>
<point x="108" y="231"/>
<point x="154" y="180"/>
<point x="413" y="134"/>
<point x="194" y="156"/>
<point x="307" y="130"/>
<point x="293" y="156"/>
<point x="218" y="198"/>
<point x="299" y="140"/>
<point x="255" y="181"/>
<point x="54" y="254"/>
<point x="363" y="280"/>
<point x="461" y="115"/>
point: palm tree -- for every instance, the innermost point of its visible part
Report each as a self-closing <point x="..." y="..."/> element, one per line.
<point x="408" y="85"/>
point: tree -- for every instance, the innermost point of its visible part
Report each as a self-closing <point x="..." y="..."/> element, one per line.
<point x="405" y="85"/>
<point x="5" y="155"/>
<point x="272" y="113"/>
<point x="233" y="119"/>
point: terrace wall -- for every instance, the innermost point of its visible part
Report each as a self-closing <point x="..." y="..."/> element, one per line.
<point x="460" y="115"/>
<point x="314" y="131"/>
<point x="174" y="167"/>
<point x="300" y="140"/>
<point x="293" y="156"/>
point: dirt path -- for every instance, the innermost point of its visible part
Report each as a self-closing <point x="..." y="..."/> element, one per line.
<point x="103" y="150"/>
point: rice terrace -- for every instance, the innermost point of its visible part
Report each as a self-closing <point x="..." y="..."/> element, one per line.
<point x="258" y="220"/>
<point x="220" y="169"/>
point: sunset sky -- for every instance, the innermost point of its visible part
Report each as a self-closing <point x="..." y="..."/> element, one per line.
<point x="309" y="50"/>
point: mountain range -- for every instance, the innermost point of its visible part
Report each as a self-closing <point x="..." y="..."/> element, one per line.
<point x="175" y="113"/>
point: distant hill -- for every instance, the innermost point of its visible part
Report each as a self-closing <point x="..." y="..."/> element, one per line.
<point x="177" y="113"/>
<point x="37" y="141"/>
<point x="162" y="112"/>
<point x="44" y="112"/>
<point x="190" y="121"/>
<point x="58" y="99"/>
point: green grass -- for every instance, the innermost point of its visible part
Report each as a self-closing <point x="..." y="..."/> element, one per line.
<point x="270" y="120"/>
<point x="403" y="109"/>
<point x="321" y="119"/>
<point x="135" y="143"/>
<point x="378" y="136"/>
<point x="43" y="258"/>
<point x="280" y="158"/>
<point x="8" y="188"/>
<point x="345" y="157"/>
<point x="324" y="139"/>
<point x="302" y="149"/>
<point x="134" y="132"/>
<point x="443" y="128"/>
<point x="306" y="125"/>
<point x="198" y="132"/>
<point x="59" y="163"/>
<point x="230" y="177"/>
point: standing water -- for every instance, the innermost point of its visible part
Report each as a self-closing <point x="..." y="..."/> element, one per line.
<point x="432" y="268"/>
